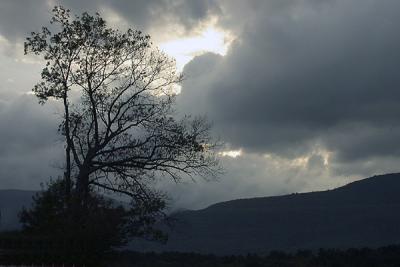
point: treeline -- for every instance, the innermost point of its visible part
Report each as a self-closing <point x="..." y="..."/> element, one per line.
<point x="39" y="251"/>
<point x="388" y="256"/>
<point x="19" y="248"/>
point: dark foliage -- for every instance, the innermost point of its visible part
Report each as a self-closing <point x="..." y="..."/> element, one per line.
<point x="382" y="257"/>
<point x="388" y="256"/>
<point x="56" y="232"/>
<point x="71" y="235"/>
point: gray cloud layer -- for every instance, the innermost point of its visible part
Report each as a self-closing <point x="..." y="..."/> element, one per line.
<point x="302" y="77"/>
<point x="17" y="18"/>
<point x="305" y="73"/>
<point x="29" y="145"/>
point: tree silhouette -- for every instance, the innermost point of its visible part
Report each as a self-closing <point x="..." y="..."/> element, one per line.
<point x="119" y="124"/>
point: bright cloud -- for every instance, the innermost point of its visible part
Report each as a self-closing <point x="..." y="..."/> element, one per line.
<point x="231" y="153"/>
<point x="185" y="49"/>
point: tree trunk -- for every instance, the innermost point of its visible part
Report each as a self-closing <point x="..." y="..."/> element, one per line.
<point x="67" y="173"/>
<point x="83" y="185"/>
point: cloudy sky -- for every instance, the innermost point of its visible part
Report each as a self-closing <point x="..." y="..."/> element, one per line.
<point x="304" y="93"/>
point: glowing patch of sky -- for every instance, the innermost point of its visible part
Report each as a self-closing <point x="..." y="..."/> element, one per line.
<point x="185" y="49"/>
<point x="231" y="153"/>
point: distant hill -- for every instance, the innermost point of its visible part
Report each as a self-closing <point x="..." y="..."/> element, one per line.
<point x="11" y="203"/>
<point x="362" y="213"/>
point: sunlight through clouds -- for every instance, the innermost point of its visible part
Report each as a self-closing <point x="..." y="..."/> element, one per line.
<point x="231" y="153"/>
<point x="185" y="49"/>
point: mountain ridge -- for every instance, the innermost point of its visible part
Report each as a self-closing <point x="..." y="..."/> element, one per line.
<point x="361" y="213"/>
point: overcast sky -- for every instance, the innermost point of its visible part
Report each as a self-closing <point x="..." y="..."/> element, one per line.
<point x="305" y="93"/>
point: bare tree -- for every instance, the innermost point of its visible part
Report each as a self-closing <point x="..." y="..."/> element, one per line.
<point x="120" y="131"/>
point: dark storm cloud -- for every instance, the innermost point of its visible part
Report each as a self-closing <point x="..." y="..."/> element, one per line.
<point x="302" y="76"/>
<point x="18" y="18"/>
<point x="304" y="73"/>
<point x="185" y="12"/>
